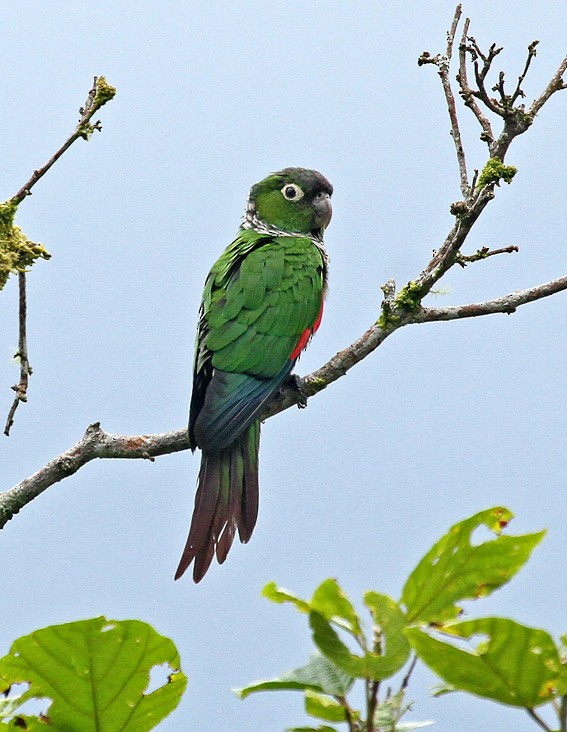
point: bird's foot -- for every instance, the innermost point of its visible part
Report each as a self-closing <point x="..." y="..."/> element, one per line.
<point x="293" y="382"/>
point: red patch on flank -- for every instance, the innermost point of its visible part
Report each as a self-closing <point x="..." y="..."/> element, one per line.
<point x="306" y="335"/>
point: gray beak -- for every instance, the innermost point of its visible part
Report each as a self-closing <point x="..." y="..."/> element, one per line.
<point x="323" y="209"/>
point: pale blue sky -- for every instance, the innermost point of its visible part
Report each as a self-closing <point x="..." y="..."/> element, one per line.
<point x="443" y="421"/>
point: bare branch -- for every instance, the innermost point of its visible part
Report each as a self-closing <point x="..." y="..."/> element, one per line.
<point x="467" y="93"/>
<point x="99" y="95"/>
<point x="518" y="92"/>
<point x="556" y="84"/>
<point x="99" y="444"/>
<point x="443" y="64"/>
<point x="481" y="73"/>
<point x="21" y="388"/>
<point x="94" y="444"/>
<point x="505" y="304"/>
<point x="484" y="253"/>
<point x="538" y="720"/>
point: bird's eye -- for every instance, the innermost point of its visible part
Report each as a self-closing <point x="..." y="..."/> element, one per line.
<point x="292" y="192"/>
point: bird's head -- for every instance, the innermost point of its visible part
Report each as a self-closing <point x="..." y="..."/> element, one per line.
<point x="294" y="200"/>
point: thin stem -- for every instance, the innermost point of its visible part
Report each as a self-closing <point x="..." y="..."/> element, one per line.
<point x="406" y="678"/>
<point x="484" y="253"/>
<point x="371" y="704"/>
<point x="555" y="85"/>
<point x="444" y="68"/>
<point x="21" y="388"/>
<point x="349" y="716"/>
<point x="518" y="92"/>
<point x="99" y="95"/>
<point x="537" y="719"/>
<point x="467" y="92"/>
<point x="563" y="714"/>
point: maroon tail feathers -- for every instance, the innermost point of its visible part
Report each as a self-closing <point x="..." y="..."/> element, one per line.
<point x="226" y="500"/>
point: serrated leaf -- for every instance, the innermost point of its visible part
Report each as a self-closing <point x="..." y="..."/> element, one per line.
<point x="513" y="664"/>
<point x="280" y="595"/>
<point x="96" y="672"/>
<point x="324" y="707"/>
<point x="370" y="666"/>
<point x="330" y="600"/>
<point x="319" y="674"/>
<point x="454" y="570"/>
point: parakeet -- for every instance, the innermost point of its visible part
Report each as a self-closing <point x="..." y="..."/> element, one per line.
<point x="262" y="302"/>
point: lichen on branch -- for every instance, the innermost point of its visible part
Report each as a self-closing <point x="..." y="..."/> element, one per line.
<point x="494" y="171"/>
<point x="17" y="252"/>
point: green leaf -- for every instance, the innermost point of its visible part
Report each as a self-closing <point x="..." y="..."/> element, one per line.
<point x="96" y="672"/>
<point x="280" y="595"/>
<point x="512" y="664"/>
<point x="333" y="604"/>
<point x="390" y="622"/>
<point x="25" y="723"/>
<point x="455" y="570"/>
<point x="370" y="666"/>
<point x="320" y="674"/>
<point x="324" y="707"/>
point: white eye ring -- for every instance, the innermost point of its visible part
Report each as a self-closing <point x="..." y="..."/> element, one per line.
<point x="292" y="192"/>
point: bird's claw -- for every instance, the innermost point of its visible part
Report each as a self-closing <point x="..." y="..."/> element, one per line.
<point x="294" y="383"/>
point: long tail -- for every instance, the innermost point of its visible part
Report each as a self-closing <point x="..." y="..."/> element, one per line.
<point x="226" y="500"/>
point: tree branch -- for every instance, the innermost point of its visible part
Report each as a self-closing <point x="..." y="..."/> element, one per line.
<point x="21" y="388"/>
<point x="99" y="95"/>
<point x="96" y="443"/>
<point x="397" y="311"/>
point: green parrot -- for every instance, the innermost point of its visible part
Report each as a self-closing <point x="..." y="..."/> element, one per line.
<point x="262" y="302"/>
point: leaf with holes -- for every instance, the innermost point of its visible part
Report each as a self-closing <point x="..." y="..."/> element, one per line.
<point x="512" y="663"/>
<point x="320" y="674"/>
<point x="455" y="570"/>
<point x="96" y="673"/>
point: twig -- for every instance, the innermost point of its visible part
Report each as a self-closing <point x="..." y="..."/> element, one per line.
<point x="507" y="304"/>
<point x="466" y="91"/>
<point x="481" y="74"/>
<point x="518" y="92"/>
<point x="21" y="388"/>
<point x="537" y="719"/>
<point x="451" y="106"/>
<point x="563" y="714"/>
<point x="484" y="253"/>
<point x="99" y="95"/>
<point x="349" y="716"/>
<point x="556" y="84"/>
<point x="371" y="703"/>
<point x="406" y="678"/>
<point x="443" y="64"/>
